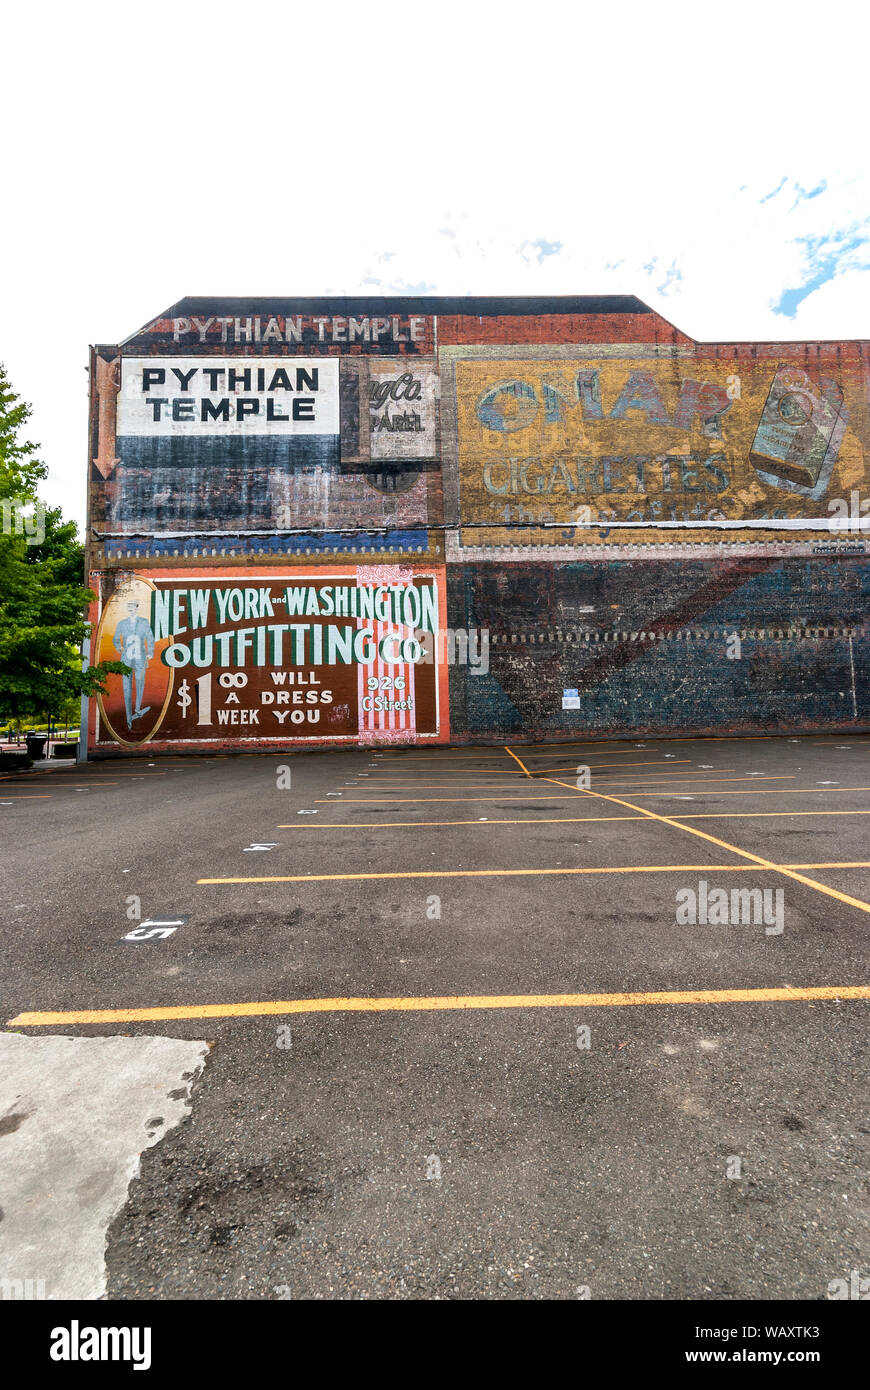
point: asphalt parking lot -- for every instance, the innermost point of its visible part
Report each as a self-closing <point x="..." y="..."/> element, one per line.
<point x="464" y="1038"/>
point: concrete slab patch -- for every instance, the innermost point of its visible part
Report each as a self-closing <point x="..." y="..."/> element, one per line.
<point x="75" y="1116"/>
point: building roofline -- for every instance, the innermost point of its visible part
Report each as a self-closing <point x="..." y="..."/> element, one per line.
<point x="483" y="306"/>
<point x="471" y="306"/>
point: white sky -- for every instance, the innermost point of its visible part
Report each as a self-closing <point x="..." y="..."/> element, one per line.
<point x="168" y="149"/>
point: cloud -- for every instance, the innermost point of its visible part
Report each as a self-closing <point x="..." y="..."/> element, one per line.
<point x="539" y="249"/>
<point x="825" y="257"/>
<point x="844" y="300"/>
<point x="737" y="219"/>
<point x="803" y="193"/>
<point x="772" y="194"/>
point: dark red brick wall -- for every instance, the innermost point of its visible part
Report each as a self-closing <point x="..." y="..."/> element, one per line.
<point x="559" y="328"/>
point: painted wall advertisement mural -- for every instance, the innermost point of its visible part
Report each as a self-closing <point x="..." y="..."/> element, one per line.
<point x="618" y="444"/>
<point x="317" y="654"/>
<point x="280" y="491"/>
<point x="241" y="444"/>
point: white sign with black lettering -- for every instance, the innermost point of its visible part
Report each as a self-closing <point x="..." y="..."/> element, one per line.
<point x="402" y="405"/>
<point x="228" y="396"/>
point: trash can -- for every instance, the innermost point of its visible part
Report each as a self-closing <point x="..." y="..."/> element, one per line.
<point x="36" y="746"/>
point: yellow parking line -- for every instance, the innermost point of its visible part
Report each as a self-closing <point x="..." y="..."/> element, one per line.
<point x="778" y="994"/>
<point x="557" y="820"/>
<point x="398" y="800"/>
<point x="606" y="752"/>
<point x="391" y="824"/>
<point x="640" y="779"/>
<point x="442" y="758"/>
<point x="57" y="780"/>
<point x="745" y="791"/>
<point x="594" y="767"/>
<point x="762" y="815"/>
<point x="512" y="772"/>
<point x="783" y="869"/>
<point x="407" y="787"/>
<point x="646" y="778"/>
<point x="472" y="788"/>
<point x="610" y="744"/>
<point x="398" y="777"/>
<point x="519" y="795"/>
<point x="538" y="873"/>
<point x="518" y="760"/>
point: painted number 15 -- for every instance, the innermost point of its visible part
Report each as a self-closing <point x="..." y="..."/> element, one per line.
<point x="154" y="927"/>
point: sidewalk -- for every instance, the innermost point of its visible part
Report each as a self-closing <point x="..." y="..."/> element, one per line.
<point x="46" y="764"/>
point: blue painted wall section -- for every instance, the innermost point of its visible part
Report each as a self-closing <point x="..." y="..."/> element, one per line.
<point x="328" y="543"/>
<point x="657" y="650"/>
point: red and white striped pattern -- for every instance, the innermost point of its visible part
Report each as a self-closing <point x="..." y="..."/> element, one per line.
<point x="386" y="726"/>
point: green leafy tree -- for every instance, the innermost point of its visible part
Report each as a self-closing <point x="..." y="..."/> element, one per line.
<point x="42" y="598"/>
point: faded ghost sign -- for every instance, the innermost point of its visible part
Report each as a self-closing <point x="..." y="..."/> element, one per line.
<point x="206" y="441"/>
<point x="402" y="412"/>
<point x="315" y="655"/>
<point x="580" y="444"/>
<point x="272" y="443"/>
<point x="362" y="332"/>
<point x="296" y="328"/>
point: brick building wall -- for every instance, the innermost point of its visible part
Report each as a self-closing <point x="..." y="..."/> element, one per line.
<point x="671" y="529"/>
<point x="650" y="646"/>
